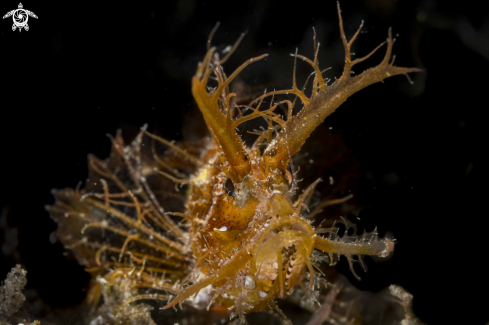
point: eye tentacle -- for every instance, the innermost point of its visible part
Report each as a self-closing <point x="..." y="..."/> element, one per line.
<point x="328" y="99"/>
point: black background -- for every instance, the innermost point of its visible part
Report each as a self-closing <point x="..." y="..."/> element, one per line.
<point x="86" y="69"/>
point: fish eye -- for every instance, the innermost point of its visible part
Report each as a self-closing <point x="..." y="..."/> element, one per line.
<point x="229" y="186"/>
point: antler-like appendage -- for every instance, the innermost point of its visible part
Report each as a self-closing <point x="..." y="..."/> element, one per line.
<point x="215" y="106"/>
<point x="326" y="99"/>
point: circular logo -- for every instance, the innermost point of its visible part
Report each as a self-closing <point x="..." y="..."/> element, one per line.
<point x="20" y="17"/>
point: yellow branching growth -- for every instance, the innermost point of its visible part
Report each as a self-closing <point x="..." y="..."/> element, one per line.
<point x="237" y="237"/>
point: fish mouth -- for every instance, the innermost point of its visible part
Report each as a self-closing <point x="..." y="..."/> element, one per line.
<point x="283" y="275"/>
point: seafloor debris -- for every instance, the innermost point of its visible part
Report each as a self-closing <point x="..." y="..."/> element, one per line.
<point x="11" y="297"/>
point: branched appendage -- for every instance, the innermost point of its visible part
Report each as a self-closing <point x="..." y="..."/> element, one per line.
<point x="242" y="304"/>
<point x="325" y="99"/>
<point x="219" y="121"/>
<point x="352" y="245"/>
<point x="237" y="232"/>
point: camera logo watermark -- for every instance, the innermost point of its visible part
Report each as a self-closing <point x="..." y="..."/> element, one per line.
<point x="20" y="17"/>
